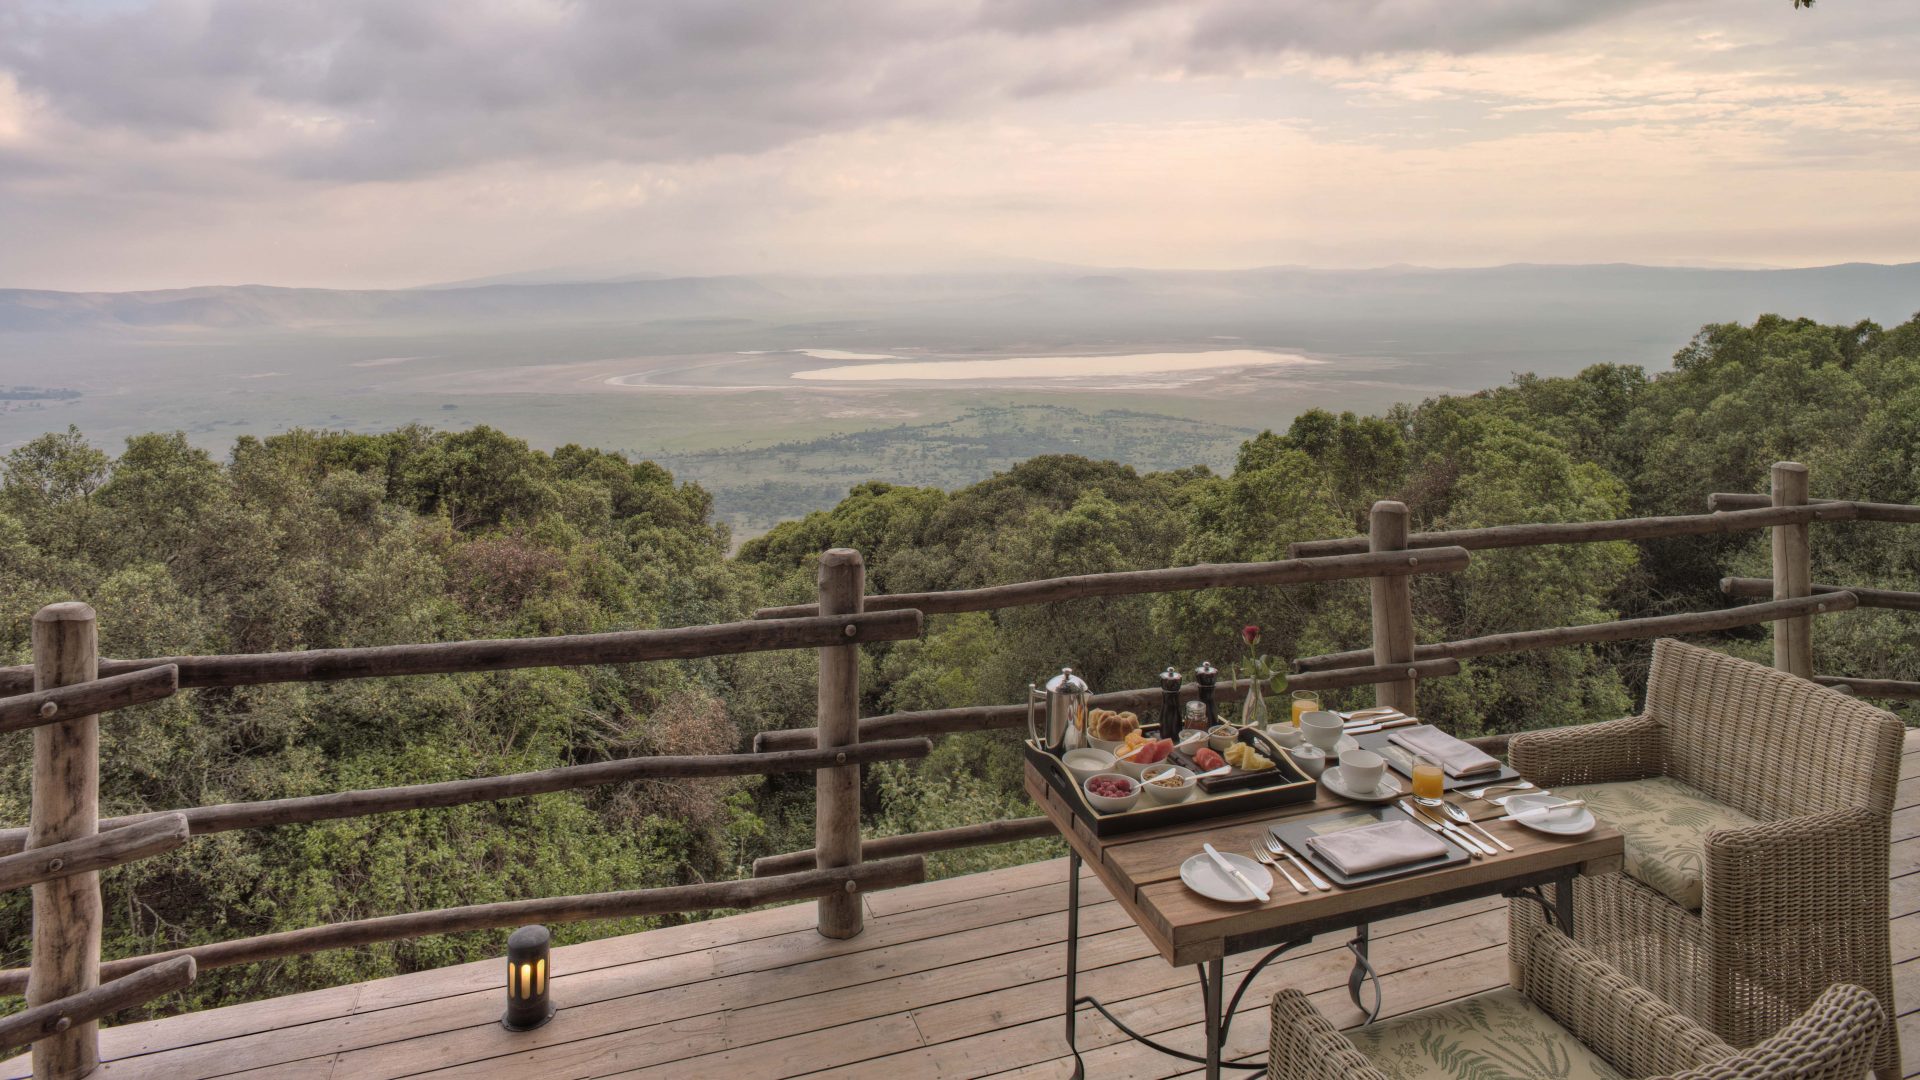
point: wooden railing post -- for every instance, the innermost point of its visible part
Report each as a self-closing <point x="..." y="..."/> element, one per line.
<point x="1792" y="573"/>
<point x="1392" y="605"/>
<point x="836" y="807"/>
<point x="66" y="806"/>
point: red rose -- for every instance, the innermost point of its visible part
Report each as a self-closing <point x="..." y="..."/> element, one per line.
<point x="1250" y="635"/>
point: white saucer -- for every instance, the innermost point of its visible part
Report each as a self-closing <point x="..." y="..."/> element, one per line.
<point x="1573" y="823"/>
<point x="1346" y="743"/>
<point x="1388" y="790"/>
<point x="1205" y="877"/>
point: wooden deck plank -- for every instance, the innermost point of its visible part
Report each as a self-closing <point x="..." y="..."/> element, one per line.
<point x="462" y="1025"/>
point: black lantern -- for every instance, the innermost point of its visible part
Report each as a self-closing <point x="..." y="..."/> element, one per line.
<point x="529" y="953"/>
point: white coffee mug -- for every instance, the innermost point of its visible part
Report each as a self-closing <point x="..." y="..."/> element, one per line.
<point x="1362" y="770"/>
<point x="1323" y="729"/>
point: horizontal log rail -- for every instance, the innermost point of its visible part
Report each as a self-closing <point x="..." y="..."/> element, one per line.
<point x="931" y="723"/>
<point x="1593" y="532"/>
<point x="1753" y="587"/>
<point x="88" y="698"/>
<point x="137" y="841"/>
<point x="1694" y="622"/>
<point x="742" y="893"/>
<point x="1439" y="560"/>
<point x="1893" y="689"/>
<point x="1902" y="513"/>
<point x="40" y="1021"/>
<point x="571" y="650"/>
<point x="1340" y="678"/>
<point x="345" y="804"/>
<point x="920" y="843"/>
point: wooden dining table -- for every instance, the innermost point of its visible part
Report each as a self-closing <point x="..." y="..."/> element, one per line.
<point x="1142" y="872"/>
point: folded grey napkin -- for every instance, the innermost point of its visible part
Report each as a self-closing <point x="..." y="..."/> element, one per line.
<point x="1377" y="847"/>
<point x="1452" y="755"/>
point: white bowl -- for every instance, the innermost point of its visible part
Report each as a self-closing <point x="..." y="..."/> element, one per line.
<point x="1164" y="796"/>
<point x="1109" y="745"/>
<point x="1218" y="742"/>
<point x="1112" y="806"/>
<point x="1087" y="763"/>
<point x="1128" y="767"/>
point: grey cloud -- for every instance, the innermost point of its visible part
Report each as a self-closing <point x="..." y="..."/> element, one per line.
<point x="390" y="89"/>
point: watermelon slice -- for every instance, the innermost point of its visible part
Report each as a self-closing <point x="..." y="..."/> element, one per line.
<point x="1206" y="760"/>
<point x="1154" y="751"/>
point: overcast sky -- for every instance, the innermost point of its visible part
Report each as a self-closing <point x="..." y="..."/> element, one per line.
<point x="157" y="143"/>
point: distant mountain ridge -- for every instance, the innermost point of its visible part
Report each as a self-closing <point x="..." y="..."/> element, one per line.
<point x="1074" y="295"/>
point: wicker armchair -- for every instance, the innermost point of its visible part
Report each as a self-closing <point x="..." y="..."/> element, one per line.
<point x="1791" y="788"/>
<point x="1587" y="1022"/>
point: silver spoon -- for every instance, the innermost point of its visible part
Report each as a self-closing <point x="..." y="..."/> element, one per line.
<point x="1461" y="816"/>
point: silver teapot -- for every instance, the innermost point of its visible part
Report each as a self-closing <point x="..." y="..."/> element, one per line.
<point x="1067" y="700"/>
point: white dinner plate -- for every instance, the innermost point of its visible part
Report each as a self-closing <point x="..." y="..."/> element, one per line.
<point x="1564" y="823"/>
<point x="1388" y="790"/>
<point x="1205" y="877"/>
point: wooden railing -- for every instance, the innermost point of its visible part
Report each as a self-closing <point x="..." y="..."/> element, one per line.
<point x="62" y="694"/>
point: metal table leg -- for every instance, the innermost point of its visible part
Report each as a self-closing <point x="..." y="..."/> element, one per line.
<point x="1212" y="988"/>
<point x="1073" y="957"/>
<point x="1362" y="974"/>
<point x="1211" y="991"/>
<point x="1563" y="903"/>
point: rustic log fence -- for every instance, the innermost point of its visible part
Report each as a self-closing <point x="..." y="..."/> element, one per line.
<point x="61" y="695"/>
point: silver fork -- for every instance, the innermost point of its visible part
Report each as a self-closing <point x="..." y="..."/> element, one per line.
<point x="1267" y="860"/>
<point x="1514" y="785"/>
<point x="1278" y="848"/>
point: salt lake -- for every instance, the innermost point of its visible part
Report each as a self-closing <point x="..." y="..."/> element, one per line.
<point x="1055" y="367"/>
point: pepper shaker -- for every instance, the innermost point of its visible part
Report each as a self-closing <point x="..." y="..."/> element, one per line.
<point x="1206" y="675"/>
<point x="1169" y="702"/>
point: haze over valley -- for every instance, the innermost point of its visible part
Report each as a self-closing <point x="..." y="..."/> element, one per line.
<point x="780" y="391"/>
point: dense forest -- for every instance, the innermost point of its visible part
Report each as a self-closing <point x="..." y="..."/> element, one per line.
<point x="316" y="539"/>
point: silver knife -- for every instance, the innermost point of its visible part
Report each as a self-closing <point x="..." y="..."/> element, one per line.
<point x="1384" y="725"/>
<point x="1237" y="875"/>
<point x="1440" y="820"/>
<point x="1406" y="807"/>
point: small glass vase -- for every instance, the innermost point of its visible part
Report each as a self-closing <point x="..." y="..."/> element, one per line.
<point x="1253" y="710"/>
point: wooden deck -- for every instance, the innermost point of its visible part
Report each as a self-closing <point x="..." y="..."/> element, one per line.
<point x="955" y="978"/>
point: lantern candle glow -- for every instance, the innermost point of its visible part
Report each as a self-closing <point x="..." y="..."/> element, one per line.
<point x="529" y="952"/>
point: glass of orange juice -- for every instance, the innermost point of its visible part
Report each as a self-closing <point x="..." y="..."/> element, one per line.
<point x="1429" y="782"/>
<point x="1304" y="701"/>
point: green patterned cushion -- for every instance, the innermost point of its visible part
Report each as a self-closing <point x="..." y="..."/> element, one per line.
<point x="1499" y="1035"/>
<point x="1665" y="824"/>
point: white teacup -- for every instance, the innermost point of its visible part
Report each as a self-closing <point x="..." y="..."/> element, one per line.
<point x="1323" y="729"/>
<point x="1362" y="770"/>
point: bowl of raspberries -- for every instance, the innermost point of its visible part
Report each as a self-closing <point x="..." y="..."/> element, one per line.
<point x="1111" y="793"/>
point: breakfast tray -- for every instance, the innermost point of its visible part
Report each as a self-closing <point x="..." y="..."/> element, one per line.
<point x="1289" y="785"/>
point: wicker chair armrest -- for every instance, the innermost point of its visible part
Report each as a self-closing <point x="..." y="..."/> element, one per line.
<point x="1615" y="750"/>
<point x="1639" y="1033"/>
<point x="1835" y="1039"/>
<point x="1305" y="1045"/>
<point x="1826" y="857"/>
